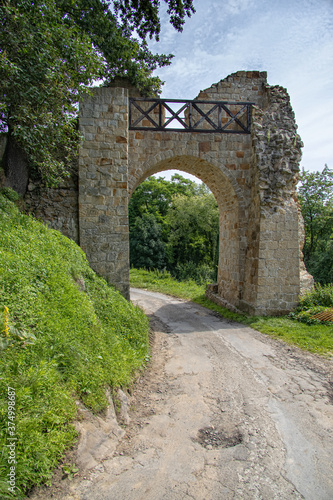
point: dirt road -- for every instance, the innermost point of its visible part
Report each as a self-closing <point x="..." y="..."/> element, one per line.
<point x="223" y="413"/>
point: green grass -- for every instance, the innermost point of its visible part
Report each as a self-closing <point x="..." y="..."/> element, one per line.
<point x="59" y="343"/>
<point x="317" y="338"/>
<point x="162" y="281"/>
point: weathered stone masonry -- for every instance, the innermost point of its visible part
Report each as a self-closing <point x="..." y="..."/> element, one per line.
<point x="103" y="184"/>
<point x="252" y="177"/>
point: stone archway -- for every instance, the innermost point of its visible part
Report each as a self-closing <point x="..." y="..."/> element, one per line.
<point x="252" y="174"/>
<point x="232" y="209"/>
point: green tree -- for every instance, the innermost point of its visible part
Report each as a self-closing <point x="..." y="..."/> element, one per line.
<point x="194" y="233"/>
<point x="316" y="199"/>
<point x="187" y="218"/>
<point x="147" y="250"/>
<point x="320" y="265"/>
<point x="50" y="53"/>
<point x="153" y="197"/>
<point x="45" y="63"/>
<point x="143" y="15"/>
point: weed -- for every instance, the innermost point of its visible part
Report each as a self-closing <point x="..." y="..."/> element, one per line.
<point x="69" y="470"/>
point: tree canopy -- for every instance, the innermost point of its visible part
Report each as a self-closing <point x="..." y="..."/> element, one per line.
<point x="51" y="52"/>
<point x="174" y="225"/>
<point x="194" y="229"/>
<point x="316" y="198"/>
<point x="155" y="195"/>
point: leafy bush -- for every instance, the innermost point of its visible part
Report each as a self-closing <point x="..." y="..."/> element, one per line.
<point x="320" y="298"/>
<point x="65" y="334"/>
<point x="320" y="295"/>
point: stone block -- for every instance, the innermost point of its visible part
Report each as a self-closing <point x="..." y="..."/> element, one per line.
<point x="121" y="140"/>
<point x="204" y="147"/>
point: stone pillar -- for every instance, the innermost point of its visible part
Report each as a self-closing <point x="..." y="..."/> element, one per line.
<point x="229" y="248"/>
<point x="103" y="183"/>
<point x="272" y="275"/>
<point x="272" y="267"/>
<point x="275" y="276"/>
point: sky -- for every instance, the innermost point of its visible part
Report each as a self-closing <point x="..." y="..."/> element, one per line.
<point x="290" y="39"/>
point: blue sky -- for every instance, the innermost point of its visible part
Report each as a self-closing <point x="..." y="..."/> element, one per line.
<point x="290" y="39"/>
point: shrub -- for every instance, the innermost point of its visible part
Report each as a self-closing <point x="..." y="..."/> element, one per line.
<point x="201" y="274"/>
<point x="320" y="295"/>
<point x="313" y="302"/>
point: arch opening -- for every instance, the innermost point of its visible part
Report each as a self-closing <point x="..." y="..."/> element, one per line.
<point x="232" y="229"/>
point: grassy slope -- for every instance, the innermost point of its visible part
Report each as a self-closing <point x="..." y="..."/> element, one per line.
<point x="314" y="338"/>
<point x="86" y="340"/>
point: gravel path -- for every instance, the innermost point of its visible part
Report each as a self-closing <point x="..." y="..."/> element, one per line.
<point x="223" y="412"/>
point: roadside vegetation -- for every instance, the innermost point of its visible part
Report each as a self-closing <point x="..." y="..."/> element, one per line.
<point x="65" y="335"/>
<point x="298" y="329"/>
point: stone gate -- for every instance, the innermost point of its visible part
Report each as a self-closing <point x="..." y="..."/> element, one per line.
<point x="248" y="155"/>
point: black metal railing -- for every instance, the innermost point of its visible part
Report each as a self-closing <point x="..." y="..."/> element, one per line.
<point x="190" y="116"/>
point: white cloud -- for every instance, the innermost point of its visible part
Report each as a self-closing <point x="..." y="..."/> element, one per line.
<point x="237" y="6"/>
<point x="291" y="40"/>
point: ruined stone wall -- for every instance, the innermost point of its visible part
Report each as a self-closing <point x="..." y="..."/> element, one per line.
<point x="57" y="207"/>
<point x="221" y="161"/>
<point x="251" y="176"/>
<point x="272" y="271"/>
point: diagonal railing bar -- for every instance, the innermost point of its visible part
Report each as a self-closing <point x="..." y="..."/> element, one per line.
<point x="234" y="118"/>
<point x="205" y="116"/>
<point x="145" y="114"/>
<point x="190" y="122"/>
<point x="175" y="114"/>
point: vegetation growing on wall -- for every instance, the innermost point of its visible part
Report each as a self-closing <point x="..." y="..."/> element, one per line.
<point x="64" y="335"/>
